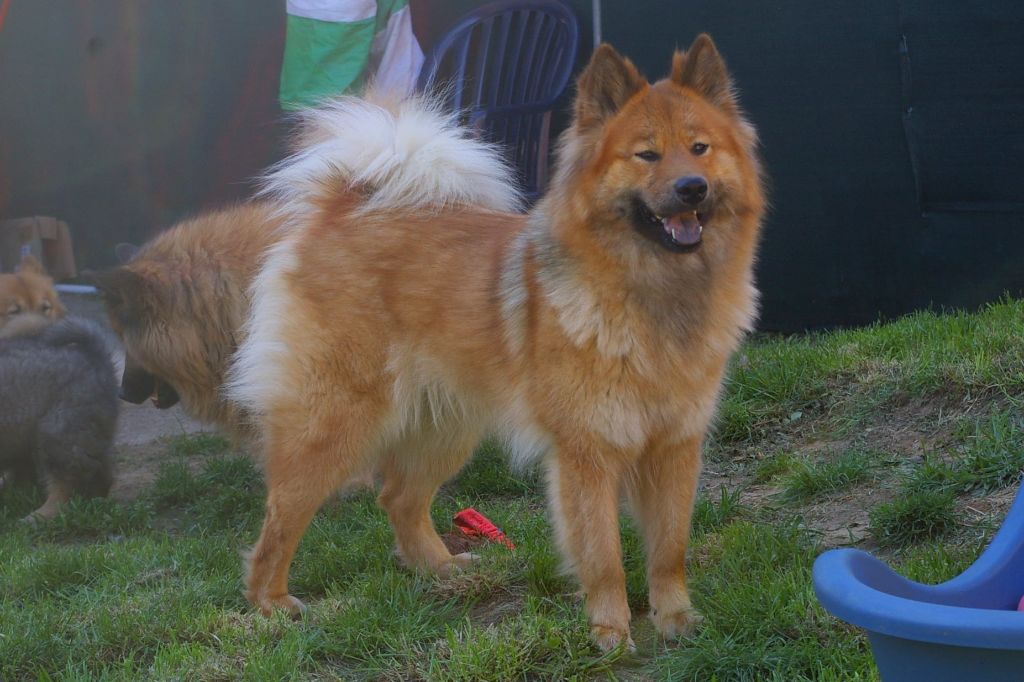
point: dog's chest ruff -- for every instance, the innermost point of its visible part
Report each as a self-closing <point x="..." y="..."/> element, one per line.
<point x="582" y="316"/>
<point x="626" y="379"/>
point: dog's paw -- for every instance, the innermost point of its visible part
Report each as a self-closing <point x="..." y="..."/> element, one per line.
<point x="464" y="560"/>
<point x="675" y="624"/>
<point x="608" y="639"/>
<point x="287" y="603"/>
<point x="457" y="562"/>
<point x="39" y="516"/>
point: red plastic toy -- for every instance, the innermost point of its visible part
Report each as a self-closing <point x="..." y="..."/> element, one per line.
<point x="473" y="523"/>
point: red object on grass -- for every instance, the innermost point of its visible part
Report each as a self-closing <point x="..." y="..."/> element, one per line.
<point x="473" y="523"/>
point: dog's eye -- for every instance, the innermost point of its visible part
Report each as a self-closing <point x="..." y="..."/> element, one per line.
<point x="698" y="148"/>
<point x="46" y="305"/>
<point x="13" y="309"/>
<point x="648" y="155"/>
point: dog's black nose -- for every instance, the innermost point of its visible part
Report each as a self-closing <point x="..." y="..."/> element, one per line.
<point x="692" y="189"/>
<point x="136" y="385"/>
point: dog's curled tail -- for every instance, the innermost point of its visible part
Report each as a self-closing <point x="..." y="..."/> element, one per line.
<point x="396" y="154"/>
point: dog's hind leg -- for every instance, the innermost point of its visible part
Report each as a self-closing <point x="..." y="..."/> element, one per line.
<point x="584" y="492"/>
<point x="661" y="495"/>
<point x="304" y="465"/>
<point x="413" y="470"/>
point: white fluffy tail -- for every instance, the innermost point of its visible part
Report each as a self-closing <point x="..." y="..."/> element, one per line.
<point x="398" y="154"/>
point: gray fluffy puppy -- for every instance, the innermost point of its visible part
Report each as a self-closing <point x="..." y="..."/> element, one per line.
<point x="58" y="410"/>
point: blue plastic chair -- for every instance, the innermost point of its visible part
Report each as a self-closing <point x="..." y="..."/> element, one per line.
<point x="503" y="66"/>
<point x="965" y="629"/>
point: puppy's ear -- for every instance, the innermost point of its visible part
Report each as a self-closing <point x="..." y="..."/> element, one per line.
<point x="29" y="265"/>
<point x="126" y="294"/>
<point x="703" y="69"/>
<point x="605" y="86"/>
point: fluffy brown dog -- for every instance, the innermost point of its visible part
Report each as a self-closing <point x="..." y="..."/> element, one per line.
<point x="594" y="332"/>
<point x="27" y="299"/>
<point x="178" y="306"/>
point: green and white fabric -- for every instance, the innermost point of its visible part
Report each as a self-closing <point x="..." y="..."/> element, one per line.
<point x="339" y="46"/>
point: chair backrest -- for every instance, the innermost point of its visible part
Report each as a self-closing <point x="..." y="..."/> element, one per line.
<point x="503" y="66"/>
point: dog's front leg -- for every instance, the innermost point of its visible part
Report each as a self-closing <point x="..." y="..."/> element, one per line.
<point x="661" y="495"/>
<point x="58" y="493"/>
<point x="584" y="491"/>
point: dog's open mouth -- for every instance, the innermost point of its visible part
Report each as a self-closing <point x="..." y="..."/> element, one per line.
<point x="138" y="385"/>
<point x="165" y="396"/>
<point x="680" y="232"/>
<point x="684" y="229"/>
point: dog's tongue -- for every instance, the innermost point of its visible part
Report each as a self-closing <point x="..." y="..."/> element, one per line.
<point x="684" y="228"/>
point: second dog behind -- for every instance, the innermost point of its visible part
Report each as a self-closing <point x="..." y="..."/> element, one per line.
<point x="58" y="411"/>
<point x="27" y="299"/>
<point x="178" y="307"/>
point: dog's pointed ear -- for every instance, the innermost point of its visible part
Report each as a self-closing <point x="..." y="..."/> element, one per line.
<point x="703" y="69"/>
<point x="125" y="292"/>
<point x="605" y="86"/>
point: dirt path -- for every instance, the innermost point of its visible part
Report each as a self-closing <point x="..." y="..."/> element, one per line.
<point x="141" y="444"/>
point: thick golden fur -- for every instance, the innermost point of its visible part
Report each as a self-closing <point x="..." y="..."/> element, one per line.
<point x="397" y="339"/>
<point x="27" y="299"/>
<point x="179" y="305"/>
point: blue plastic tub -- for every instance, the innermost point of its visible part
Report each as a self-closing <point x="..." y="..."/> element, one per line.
<point x="965" y="629"/>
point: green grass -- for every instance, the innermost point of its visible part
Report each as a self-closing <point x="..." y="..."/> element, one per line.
<point x="136" y="602"/>
<point x="913" y="517"/>
<point x="199" y="444"/>
<point x="848" y="372"/>
<point x="991" y="457"/>
<point x="762" y="619"/>
<point x="805" y="481"/>
<point x="774" y="466"/>
<point x="151" y="589"/>
<point x="711" y="514"/>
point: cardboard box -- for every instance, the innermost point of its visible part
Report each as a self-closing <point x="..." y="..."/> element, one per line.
<point x="48" y="239"/>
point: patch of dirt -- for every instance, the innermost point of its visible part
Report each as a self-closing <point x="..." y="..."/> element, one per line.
<point x="842" y="518"/>
<point x="496" y="609"/>
<point x="760" y="495"/>
<point x="136" y="467"/>
<point x="713" y="478"/>
<point x="903" y="430"/>
<point x="905" y="426"/>
<point x="987" y="510"/>
<point x="915" y="427"/>
<point x="458" y="542"/>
